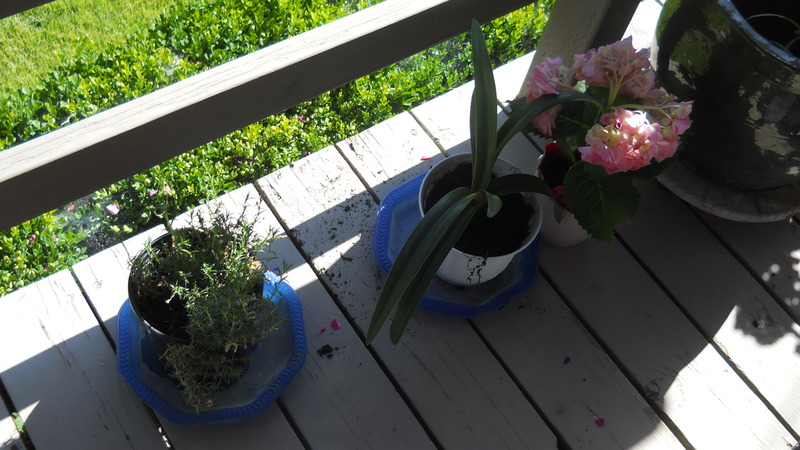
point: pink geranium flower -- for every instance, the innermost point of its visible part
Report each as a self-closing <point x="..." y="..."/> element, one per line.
<point x="627" y="141"/>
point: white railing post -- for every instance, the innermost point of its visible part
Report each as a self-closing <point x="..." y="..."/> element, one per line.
<point x="578" y="25"/>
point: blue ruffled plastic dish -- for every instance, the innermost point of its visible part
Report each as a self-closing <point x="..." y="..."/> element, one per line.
<point x="274" y="363"/>
<point x="398" y="214"/>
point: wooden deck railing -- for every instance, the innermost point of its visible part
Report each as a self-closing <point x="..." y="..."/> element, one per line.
<point x="46" y="172"/>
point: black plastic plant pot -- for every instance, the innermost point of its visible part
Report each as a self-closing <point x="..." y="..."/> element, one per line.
<point x="745" y="85"/>
<point x="159" y="339"/>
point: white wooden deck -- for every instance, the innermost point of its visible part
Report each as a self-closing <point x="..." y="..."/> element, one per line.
<point x="683" y="332"/>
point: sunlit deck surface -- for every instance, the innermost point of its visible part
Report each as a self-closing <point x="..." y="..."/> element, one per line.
<point x="682" y="332"/>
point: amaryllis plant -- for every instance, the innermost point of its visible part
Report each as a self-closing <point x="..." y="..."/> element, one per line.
<point x="624" y="129"/>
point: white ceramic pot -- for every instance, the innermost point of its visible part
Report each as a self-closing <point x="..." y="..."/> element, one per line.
<point x="560" y="228"/>
<point x="461" y="268"/>
<point x="563" y="231"/>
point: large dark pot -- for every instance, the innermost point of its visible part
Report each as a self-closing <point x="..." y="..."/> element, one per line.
<point x="746" y="89"/>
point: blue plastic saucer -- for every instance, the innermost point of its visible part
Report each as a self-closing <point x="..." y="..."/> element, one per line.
<point x="274" y="363"/>
<point x="398" y="214"/>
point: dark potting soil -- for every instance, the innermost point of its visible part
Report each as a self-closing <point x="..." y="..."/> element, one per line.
<point x="152" y="298"/>
<point x="484" y="236"/>
<point x="168" y="317"/>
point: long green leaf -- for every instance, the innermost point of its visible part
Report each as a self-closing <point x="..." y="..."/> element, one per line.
<point x="494" y="204"/>
<point x="483" y="113"/>
<point x="522" y="116"/>
<point x="430" y="240"/>
<point x="450" y="228"/>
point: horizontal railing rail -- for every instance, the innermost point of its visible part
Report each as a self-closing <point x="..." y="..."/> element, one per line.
<point x="11" y="7"/>
<point x="49" y="171"/>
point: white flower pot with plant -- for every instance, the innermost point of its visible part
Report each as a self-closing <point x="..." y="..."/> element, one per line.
<point x="482" y="253"/>
<point x="481" y="196"/>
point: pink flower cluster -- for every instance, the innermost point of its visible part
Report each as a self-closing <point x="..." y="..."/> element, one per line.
<point x="628" y="135"/>
<point x="549" y="77"/>
<point x="625" y="140"/>
<point x="618" y="67"/>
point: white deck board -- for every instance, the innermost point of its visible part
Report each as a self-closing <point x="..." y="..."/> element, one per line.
<point x="653" y="333"/>
<point x="721" y="296"/>
<point x="510" y="77"/>
<point x="61" y="374"/>
<point x="455" y="384"/>
<point x="570" y="377"/>
<point x="668" y="357"/>
<point x="770" y="250"/>
<point x="451" y="132"/>
<point x="341" y="399"/>
<point x="527" y="329"/>
<point x="385" y="170"/>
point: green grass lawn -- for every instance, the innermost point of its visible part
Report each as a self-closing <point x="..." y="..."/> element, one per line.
<point x="35" y="42"/>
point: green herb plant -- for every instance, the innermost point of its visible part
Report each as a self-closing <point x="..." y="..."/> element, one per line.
<point x="208" y="281"/>
<point x="441" y="227"/>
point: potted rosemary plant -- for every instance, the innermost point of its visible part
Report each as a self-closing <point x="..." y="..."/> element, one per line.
<point x="207" y="301"/>
<point x="484" y="193"/>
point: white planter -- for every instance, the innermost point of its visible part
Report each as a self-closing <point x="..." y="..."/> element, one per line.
<point x="563" y="231"/>
<point x="559" y="226"/>
<point x="461" y="268"/>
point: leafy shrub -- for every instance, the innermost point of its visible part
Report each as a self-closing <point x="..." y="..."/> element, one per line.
<point x="201" y="35"/>
<point x="37" y="248"/>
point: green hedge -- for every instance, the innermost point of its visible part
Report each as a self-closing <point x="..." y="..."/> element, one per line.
<point x="186" y="41"/>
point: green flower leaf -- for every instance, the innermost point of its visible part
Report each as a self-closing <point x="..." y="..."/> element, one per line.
<point x="599" y="200"/>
